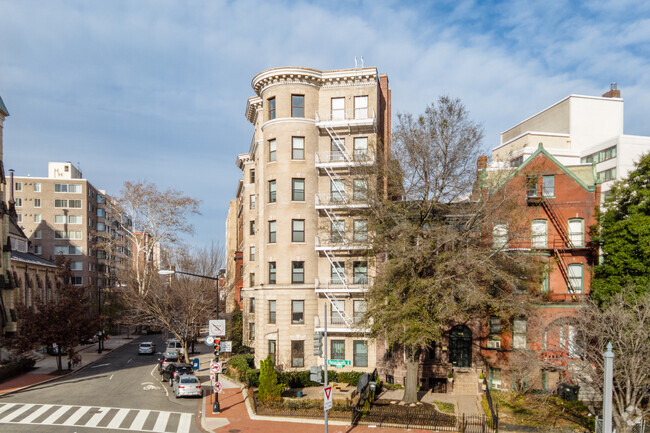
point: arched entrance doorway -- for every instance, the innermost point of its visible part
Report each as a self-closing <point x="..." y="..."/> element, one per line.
<point x="460" y="346"/>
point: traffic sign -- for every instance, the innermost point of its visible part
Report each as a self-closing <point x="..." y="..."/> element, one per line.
<point x="327" y="396"/>
<point x="215" y="367"/>
<point x="226" y="346"/>
<point x="217" y="387"/>
<point x="209" y="340"/>
<point x="339" y="362"/>
<point x="217" y="328"/>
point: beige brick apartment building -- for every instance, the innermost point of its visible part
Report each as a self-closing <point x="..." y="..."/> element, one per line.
<point x="297" y="231"/>
<point x="64" y="214"/>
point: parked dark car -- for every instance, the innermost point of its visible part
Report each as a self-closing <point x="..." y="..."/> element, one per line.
<point x="167" y="359"/>
<point x="175" y="369"/>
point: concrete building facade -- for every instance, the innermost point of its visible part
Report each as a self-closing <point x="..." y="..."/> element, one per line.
<point x="301" y="240"/>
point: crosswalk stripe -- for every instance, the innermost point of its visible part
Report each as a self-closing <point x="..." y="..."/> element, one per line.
<point x="77" y="415"/>
<point x="38" y="412"/>
<point x="92" y="422"/>
<point x="7" y="407"/>
<point x="161" y="422"/>
<point x="15" y="414"/>
<point x="56" y="415"/>
<point x="33" y="411"/>
<point x="139" y="420"/>
<point x="184" y="423"/>
<point x="118" y="418"/>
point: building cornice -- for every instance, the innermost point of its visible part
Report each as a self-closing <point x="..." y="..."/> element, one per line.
<point x="288" y="120"/>
<point x="253" y="104"/>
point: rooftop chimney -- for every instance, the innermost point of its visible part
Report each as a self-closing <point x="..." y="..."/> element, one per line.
<point x="481" y="162"/>
<point x="613" y="92"/>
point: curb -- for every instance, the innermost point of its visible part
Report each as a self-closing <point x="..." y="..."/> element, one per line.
<point x="58" y="377"/>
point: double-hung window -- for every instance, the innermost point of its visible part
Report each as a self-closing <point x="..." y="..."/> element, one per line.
<point x="252" y="202"/>
<point x="271" y="104"/>
<point x="272" y="150"/>
<point x="272" y="311"/>
<point x="252" y="253"/>
<point x="361" y="148"/>
<point x="37" y="217"/>
<point x="338" y="108"/>
<point x="37" y="202"/>
<point x="360" y="190"/>
<point x="298" y="353"/>
<point x="360" y="272"/>
<point x="272" y="191"/>
<point x="359" y="312"/>
<point x="297" y="312"/>
<point x="272" y="273"/>
<point x="519" y="333"/>
<point x="531" y="186"/>
<point x="338" y="273"/>
<point x="251" y="228"/>
<point x="338" y="349"/>
<point x="298" y="189"/>
<point x="337" y="231"/>
<point x="337" y="190"/>
<point x="577" y="232"/>
<point x="297" y="147"/>
<point x="272" y="231"/>
<point x="337" y="150"/>
<point x="297" y="105"/>
<point x="548" y="186"/>
<point x="500" y="236"/>
<point x="360" y="107"/>
<point x="297" y="272"/>
<point x="37" y="187"/>
<point x="360" y="353"/>
<point x="297" y="230"/>
<point x="539" y="234"/>
<point x="338" y="306"/>
<point x="576" y="277"/>
<point x="360" y="231"/>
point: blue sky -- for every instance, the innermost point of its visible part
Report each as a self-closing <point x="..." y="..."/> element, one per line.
<point x="156" y="90"/>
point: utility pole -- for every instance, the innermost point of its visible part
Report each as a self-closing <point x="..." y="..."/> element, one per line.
<point x="607" y="389"/>
<point x="325" y="359"/>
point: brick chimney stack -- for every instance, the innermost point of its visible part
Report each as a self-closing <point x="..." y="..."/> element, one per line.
<point x="613" y="92"/>
<point x="481" y="162"/>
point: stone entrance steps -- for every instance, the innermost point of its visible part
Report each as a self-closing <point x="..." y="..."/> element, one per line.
<point x="465" y="382"/>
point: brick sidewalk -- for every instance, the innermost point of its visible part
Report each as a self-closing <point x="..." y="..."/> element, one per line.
<point x="234" y="416"/>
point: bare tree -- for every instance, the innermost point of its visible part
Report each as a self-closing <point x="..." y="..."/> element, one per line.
<point x="625" y="322"/>
<point x="438" y="269"/>
<point x="179" y="303"/>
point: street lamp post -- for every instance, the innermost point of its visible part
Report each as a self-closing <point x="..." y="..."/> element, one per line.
<point x="215" y="406"/>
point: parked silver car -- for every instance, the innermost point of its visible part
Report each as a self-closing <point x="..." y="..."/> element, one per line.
<point x="187" y="385"/>
<point x="146" y="348"/>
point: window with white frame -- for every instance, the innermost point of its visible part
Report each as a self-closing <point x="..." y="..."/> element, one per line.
<point x="337" y="231"/>
<point x="539" y="234"/>
<point x="548" y="186"/>
<point x="297" y="312"/>
<point x="252" y="202"/>
<point x="252" y="253"/>
<point x="335" y="317"/>
<point x="37" y="202"/>
<point x="338" y="349"/>
<point x="360" y="107"/>
<point x="38" y="250"/>
<point x="576" y="277"/>
<point x="495" y="378"/>
<point x="500" y="236"/>
<point x="337" y="190"/>
<point x="298" y="189"/>
<point x="297" y="272"/>
<point x="272" y="232"/>
<point x="18" y="202"/>
<point x="272" y="273"/>
<point x="272" y="191"/>
<point x="338" y="108"/>
<point x="37" y="187"/>
<point x="37" y="217"/>
<point x="298" y="353"/>
<point x="360" y="353"/>
<point x="19" y="218"/>
<point x="360" y="272"/>
<point x="18" y="186"/>
<point x="577" y="232"/>
<point x="297" y="230"/>
<point x="38" y="234"/>
<point x="519" y="333"/>
<point x="360" y="230"/>
<point x="361" y="148"/>
<point x="338" y="273"/>
<point x="360" y="307"/>
<point x="297" y="148"/>
<point x="272" y="150"/>
<point x="360" y="190"/>
<point x="337" y="150"/>
<point x="272" y="311"/>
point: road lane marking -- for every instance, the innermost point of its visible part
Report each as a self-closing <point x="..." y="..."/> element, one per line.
<point x="95" y="419"/>
<point x="110" y="378"/>
<point x="139" y="420"/>
<point x="161" y="422"/>
<point x="15" y="414"/>
<point x="77" y="415"/>
<point x="118" y="418"/>
<point x="184" y="423"/>
<point x="7" y="407"/>
<point x="56" y="415"/>
<point x="100" y="365"/>
<point x="38" y="412"/>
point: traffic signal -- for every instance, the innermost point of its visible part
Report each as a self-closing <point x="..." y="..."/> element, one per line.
<point x="217" y="347"/>
<point x="318" y="344"/>
<point x="316" y="374"/>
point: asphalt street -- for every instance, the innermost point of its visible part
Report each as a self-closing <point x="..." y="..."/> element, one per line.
<point x="120" y="392"/>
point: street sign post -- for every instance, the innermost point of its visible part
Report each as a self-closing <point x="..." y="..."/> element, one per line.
<point x="215" y="367"/>
<point x="327" y="397"/>
<point x="217" y="387"/>
<point x="339" y="363"/>
<point x="217" y="328"/>
<point x="226" y="346"/>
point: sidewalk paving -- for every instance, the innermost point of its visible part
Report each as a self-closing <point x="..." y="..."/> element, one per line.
<point x="45" y="368"/>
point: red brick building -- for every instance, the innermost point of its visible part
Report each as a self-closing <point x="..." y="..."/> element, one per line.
<point x="558" y="206"/>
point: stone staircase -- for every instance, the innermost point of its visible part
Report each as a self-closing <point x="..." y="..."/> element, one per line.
<point x="465" y="381"/>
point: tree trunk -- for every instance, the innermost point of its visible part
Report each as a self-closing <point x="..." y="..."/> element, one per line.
<point x="411" y="389"/>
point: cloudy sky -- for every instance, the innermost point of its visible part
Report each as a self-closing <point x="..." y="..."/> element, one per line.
<point x="156" y="90"/>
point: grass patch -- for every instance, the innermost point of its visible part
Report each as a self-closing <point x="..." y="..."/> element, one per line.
<point x="445" y="407"/>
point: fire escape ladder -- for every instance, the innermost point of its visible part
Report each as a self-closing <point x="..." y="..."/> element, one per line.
<point x="564" y="270"/>
<point x="335" y="220"/>
<point x="555" y="219"/>
<point x="342" y="314"/>
<point x="335" y="179"/>
<point x="338" y="142"/>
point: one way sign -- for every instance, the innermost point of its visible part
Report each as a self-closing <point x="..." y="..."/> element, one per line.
<point x="327" y="395"/>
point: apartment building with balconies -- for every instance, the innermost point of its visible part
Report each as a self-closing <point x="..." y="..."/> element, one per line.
<point x="299" y="217"/>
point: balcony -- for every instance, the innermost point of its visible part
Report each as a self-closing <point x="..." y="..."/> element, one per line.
<point x="357" y="285"/>
<point x="344" y="159"/>
<point x="358" y="118"/>
<point x="340" y="245"/>
<point x="341" y="200"/>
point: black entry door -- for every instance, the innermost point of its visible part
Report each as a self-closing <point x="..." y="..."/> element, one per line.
<point x="460" y="346"/>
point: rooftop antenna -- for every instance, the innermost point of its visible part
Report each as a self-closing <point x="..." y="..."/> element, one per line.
<point x="361" y="61"/>
<point x="355" y="62"/>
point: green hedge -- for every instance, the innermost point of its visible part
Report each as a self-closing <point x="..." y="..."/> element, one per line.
<point x="239" y="365"/>
<point x="15" y="368"/>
